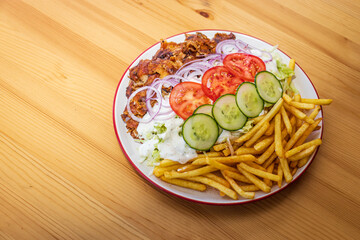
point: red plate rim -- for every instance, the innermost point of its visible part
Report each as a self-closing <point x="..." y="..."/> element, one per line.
<point x="186" y="198"/>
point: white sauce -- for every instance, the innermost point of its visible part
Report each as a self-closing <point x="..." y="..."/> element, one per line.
<point x="172" y="146"/>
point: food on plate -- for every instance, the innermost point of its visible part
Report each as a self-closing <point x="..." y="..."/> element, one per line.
<point x="220" y="113"/>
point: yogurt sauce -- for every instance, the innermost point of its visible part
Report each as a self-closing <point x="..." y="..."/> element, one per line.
<point x="170" y="144"/>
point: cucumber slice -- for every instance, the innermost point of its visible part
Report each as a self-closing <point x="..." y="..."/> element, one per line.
<point x="268" y="87"/>
<point x="207" y="109"/>
<point x="200" y="131"/>
<point x="248" y="100"/>
<point x="227" y="114"/>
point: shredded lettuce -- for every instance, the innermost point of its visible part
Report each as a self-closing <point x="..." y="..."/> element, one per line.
<point x="248" y="126"/>
<point x="160" y="128"/>
<point x="284" y="70"/>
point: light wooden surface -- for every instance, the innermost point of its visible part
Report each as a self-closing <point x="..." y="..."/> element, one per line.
<point x="62" y="172"/>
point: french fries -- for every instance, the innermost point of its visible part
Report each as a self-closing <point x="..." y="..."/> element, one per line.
<point x="270" y="153"/>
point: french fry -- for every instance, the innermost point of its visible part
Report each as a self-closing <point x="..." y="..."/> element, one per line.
<point x="302" y="162"/>
<point x="167" y="163"/>
<point x="209" y="154"/>
<point x="226" y="152"/>
<point x="293" y="164"/>
<point x="302" y="147"/>
<point x="192" y="173"/>
<point x="187" y="167"/>
<point x="159" y="171"/>
<point x="274" y="110"/>
<point x="185" y="183"/>
<point x="296" y="137"/>
<point x="292" y="66"/>
<point x="214" y="184"/>
<point x="270" y="130"/>
<point x="239" y="190"/>
<point x="307" y="132"/>
<point x="278" y="136"/>
<point x="257" y="135"/>
<point x="287" y="98"/>
<point x="237" y="176"/>
<point x="270" y="160"/>
<point x="285" y="167"/>
<point x="226" y="160"/>
<point x="297" y="113"/>
<point x="257" y="166"/>
<point x="297" y="98"/>
<point x="280" y="174"/>
<point x="217" y="179"/>
<point x="300" y="105"/>
<point x="262" y="145"/>
<point x="286" y="120"/>
<point x="305" y="153"/>
<point x="220" y="147"/>
<point x="294" y="171"/>
<point x="315" y="112"/>
<point x="250" y="188"/>
<point x="260" y="184"/>
<point x="257" y="119"/>
<point x="245" y="150"/>
<point x="260" y="173"/>
<point x="270" y="170"/>
<point x="219" y="165"/>
<point x="317" y="101"/>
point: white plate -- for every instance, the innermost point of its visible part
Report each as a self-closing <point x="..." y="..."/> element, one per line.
<point x="210" y="196"/>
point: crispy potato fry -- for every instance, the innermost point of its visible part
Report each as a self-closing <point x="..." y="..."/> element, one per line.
<point x="219" y="165"/>
<point x="302" y="162"/>
<point x="260" y="173"/>
<point x="218" y="179"/>
<point x="297" y="98"/>
<point x="260" y="184"/>
<point x="307" y="132"/>
<point x="229" y="192"/>
<point x="294" y="171"/>
<point x="302" y="147"/>
<point x="257" y="135"/>
<point x="286" y="120"/>
<point x="237" y="176"/>
<point x="185" y="183"/>
<point x="270" y="170"/>
<point x="274" y="110"/>
<point x="280" y="174"/>
<point x="245" y="150"/>
<point x="296" y="137"/>
<point x="292" y="66"/>
<point x="237" y="188"/>
<point x="278" y="136"/>
<point x="293" y="164"/>
<point x="300" y="105"/>
<point x="257" y="119"/>
<point x="262" y="145"/>
<point x="159" y="171"/>
<point x="285" y="167"/>
<point x="287" y="98"/>
<point x="270" y="130"/>
<point x="317" y="101"/>
<point x="226" y="160"/>
<point x="187" y="167"/>
<point x="297" y="113"/>
<point x="250" y="188"/>
<point x="255" y="165"/>
<point x="305" y="153"/>
<point x="315" y="112"/>
<point x="220" y="147"/>
<point x="270" y="160"/>
<point x="226" y="152"/>
<point x="209" y="154"/>
<point x="192" y="173"/>
<point x="167" y="163"/>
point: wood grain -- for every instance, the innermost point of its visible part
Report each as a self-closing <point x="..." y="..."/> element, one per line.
<point x="62" y="172"/>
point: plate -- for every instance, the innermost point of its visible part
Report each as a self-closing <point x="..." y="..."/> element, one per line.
<point x="210" y="196"/>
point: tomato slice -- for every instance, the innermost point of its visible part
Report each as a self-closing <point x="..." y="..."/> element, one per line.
<point x="185" y="97"/>
<point x="244" y="65"/>
<point x="218" y="81"/>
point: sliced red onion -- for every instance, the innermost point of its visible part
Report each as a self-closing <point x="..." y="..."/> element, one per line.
<point x="152" y="115"/>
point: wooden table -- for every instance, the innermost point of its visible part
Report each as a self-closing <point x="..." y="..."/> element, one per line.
<point x="62" y="172"/>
